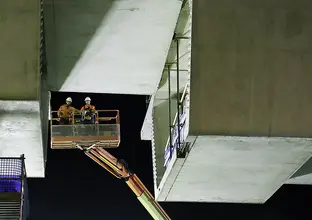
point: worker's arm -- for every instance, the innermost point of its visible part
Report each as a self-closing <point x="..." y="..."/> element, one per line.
<point x="93" y="108"/>
<point x="60" y="112"/>
<point x="72" y="112"/>
<point x="119" y="169"/>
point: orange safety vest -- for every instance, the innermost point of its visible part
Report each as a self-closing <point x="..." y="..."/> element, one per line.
<point x="65" y="111"/>
<point x="91" y="107"/>
<point x="90" y="112"/>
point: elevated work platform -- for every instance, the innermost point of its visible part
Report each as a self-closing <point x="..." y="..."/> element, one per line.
<point x="103" y="132"/>
<point x="108" y="46"/>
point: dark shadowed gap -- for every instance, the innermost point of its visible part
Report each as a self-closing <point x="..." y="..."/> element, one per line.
<point x="291" y="202"/>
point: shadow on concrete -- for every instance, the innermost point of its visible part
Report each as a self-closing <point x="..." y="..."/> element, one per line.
<point x="70" y="26"/>
<point x="304" y="170"/>
<point x="44" y="112"/>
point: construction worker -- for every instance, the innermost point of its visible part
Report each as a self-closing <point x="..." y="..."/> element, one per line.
<point x="88" y="112"/>
<point x="66" y="112"/>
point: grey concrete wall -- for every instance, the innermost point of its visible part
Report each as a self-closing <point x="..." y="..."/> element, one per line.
<point x="70" y="25"/>
<point x="251" y="68"/>
<point x="19" y="49"/>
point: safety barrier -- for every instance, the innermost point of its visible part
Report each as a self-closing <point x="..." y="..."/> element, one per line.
<point x="105" y="132"/>
<point x="101" y="116"/>
<point x="11" y="174"/>
<point x="13" y="190"/>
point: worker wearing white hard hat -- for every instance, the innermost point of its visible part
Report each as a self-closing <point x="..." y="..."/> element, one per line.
<point x="88" y="112"/>
<point x="66" y="111"/>
<point x="69" y="100"/>
<point x="87" y="100"/>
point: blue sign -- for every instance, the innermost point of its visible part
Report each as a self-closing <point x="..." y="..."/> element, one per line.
<point x="175" y="142"/>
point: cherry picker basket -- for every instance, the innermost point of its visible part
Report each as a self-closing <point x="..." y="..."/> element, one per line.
<point x="105" y="132"/>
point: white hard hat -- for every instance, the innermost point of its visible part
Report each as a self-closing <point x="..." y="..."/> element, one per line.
<point x="87" y="99"/>
<point x="69" y="99"/>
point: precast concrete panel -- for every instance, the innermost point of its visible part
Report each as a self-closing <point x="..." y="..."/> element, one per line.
<point x="19" y="49"/>
<point x="251" y="68"/>
<point x="108" y="46"/>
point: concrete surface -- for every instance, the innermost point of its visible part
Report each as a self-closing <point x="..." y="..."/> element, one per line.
<point x="235" y="169"/>
<point x="20" y="133"/>
<point x="301" y="180"/>
<point x="251" y="68"/>
<point x="303" y="175"/>
<point x="162" y="99"/>
<point x="20" y="126"/>
<point x="170" y="177"/>
<point x="19" y="49"/>
<point x="250" y="77"/>
<point x="108" y="46"/>
<point x="147" y="127"/>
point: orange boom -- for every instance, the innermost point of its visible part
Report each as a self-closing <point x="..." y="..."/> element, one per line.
<point x="92" y="139"/>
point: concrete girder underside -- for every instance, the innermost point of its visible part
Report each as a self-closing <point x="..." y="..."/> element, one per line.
<point x="108" y="46"/>
<point x="235" y="169"/>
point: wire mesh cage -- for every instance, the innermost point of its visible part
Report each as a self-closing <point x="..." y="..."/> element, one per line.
<point x="12" y="172"/>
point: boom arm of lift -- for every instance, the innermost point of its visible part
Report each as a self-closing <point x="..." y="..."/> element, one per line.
<point x="119" y="169"/>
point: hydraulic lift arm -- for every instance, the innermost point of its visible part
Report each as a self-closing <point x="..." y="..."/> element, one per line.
<point x="119" y="169"/>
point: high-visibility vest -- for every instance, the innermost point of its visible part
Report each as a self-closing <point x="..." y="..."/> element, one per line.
<point x="65" y="111"/>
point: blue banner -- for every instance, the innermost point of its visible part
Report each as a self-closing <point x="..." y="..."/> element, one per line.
<point x="175" y="142"/>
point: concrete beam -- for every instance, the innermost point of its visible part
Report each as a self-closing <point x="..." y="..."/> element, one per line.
<point x="20" y="133"/>
<point x="147" y="132"/>
<point x="251" y="68"/>
<point x="302" y="176"/>
<point x="235" y="169"/>
<point x="109" y="46"/>
<point x="19" y="49"/>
